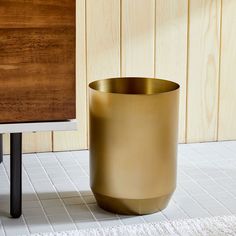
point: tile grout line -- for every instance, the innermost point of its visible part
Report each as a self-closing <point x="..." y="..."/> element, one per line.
<point x="207" y="193"/>
<point x="75" y="188"/>
<point x="206" y="190"/>
<point x="8" y="177"/>
<point x="120" y="219"/>
<point x="59" y="197"/>
<point x="80" y="193"/>
<point x="180" y="208"/>
<point x="73" y="157"/>
<point x="214" y="179"/>
<point x="6" y="173"/>
<point x="39" y="200"/>
<point x="79" y="165"/>
<point x="86" y="174"/>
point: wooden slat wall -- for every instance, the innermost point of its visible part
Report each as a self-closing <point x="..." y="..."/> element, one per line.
<point x="227" y="105"/>
<point x="187" y="41"/>
<point x="138" y="38"/>
<point x="171" y="49"/>
<point x="37" y="142"/>
<point x="103" y="39"/>
<point x="203" y="70"/>
<point x="32" y="142"/>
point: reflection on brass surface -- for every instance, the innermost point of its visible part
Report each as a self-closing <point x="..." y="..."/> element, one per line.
<point x="133" y="143"/>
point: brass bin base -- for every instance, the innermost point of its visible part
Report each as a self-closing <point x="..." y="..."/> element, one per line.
<point x="132" y="206"/>
<point x="133" y="132"/>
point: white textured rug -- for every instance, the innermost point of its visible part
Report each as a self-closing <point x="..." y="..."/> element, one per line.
<point x="214" y="226"/>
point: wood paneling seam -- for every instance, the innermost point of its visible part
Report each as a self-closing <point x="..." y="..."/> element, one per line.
<point x="219" y="76"/>
<point x="155" y="36"/>
<point x="86" y="73"/>
<point x="187" y="68"/>
<point x="121" y="37"/>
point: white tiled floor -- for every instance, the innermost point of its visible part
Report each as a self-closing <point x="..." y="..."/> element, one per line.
<point x="57" y="197"/>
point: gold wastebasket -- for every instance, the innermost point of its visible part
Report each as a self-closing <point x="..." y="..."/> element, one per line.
<point x="133" y="143"/>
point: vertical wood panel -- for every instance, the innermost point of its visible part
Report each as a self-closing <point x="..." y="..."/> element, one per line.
<point x="227" y="111"/>
<point x="203" y="70"/>
<point x="103" y="39"/>
<point x="171" y="49"/>
<point x="6" y="143"/>
<point x="72" y="140"/>
<point x="32" y="142"/>
<point x="37" y="142"/>
<point x="138" y="21"/>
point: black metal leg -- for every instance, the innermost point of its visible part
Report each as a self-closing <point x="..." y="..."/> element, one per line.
<point x="1" y="148"/>
<point x="16" y="175"/>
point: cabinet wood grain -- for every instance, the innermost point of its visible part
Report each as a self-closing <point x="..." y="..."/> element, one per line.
<point x="36" y="13"/>
<point x="37" y="60"/>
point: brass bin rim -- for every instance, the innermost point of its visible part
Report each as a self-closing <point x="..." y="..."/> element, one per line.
<point x="134" y="86"/>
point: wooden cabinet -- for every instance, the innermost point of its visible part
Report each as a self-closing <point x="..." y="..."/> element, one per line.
<point x="37" y="60"/>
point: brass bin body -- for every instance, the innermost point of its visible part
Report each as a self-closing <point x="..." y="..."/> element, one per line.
<point x="133" y="143"/>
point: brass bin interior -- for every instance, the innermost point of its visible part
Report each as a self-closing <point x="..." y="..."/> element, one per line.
<point x="133" y="143"/>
